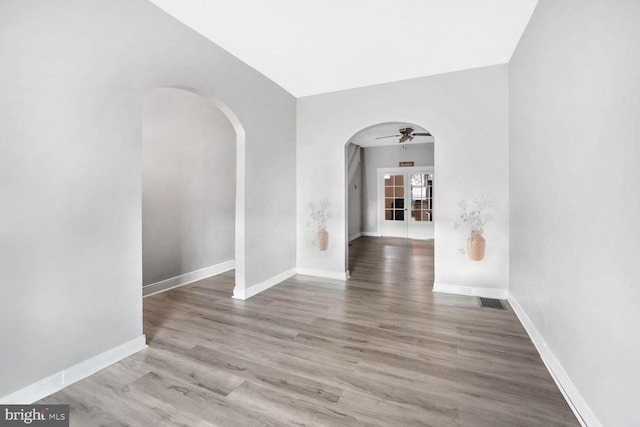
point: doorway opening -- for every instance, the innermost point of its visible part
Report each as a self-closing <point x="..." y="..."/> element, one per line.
<point x="192" y="190"/>
<point x="390" y="180"/>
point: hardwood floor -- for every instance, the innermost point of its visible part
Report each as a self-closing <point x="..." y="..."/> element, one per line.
<point x="382" y="350"/>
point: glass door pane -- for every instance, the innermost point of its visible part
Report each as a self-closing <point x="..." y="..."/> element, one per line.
<point x="421" y="197"/>
<point x="394" y="197"/>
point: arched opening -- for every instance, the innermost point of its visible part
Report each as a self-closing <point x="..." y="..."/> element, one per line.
<point x="192" y="189"/>
<point x="389" y="179"/>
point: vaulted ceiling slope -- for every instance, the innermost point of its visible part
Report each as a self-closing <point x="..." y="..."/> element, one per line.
<point x="317" y="46"/>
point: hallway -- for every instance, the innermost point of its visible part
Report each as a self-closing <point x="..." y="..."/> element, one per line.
<point x="392" y="260"/>
<point x="382" y="350"/>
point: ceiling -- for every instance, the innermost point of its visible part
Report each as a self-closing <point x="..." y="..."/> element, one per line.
<point x="367" y="136"/>
<point x="311" y="47"/>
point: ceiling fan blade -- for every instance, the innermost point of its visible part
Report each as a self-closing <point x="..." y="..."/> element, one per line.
<point x="390" y="136"/>
<point x="421" y="134"/>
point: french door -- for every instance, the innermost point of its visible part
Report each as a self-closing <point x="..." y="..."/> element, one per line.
<point x="405" y="202"/>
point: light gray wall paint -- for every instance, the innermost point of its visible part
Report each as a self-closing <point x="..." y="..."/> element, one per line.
<point x="354" y="157"/>
<point x="188" y="185"/>
<point x="574" y="161"/>
<point x="73" y="77"/>
<point x="387" y="157"/>
<point x="467" y="113"/>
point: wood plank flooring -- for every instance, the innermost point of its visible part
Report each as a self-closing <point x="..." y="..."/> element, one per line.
<point x="382" y="350"/>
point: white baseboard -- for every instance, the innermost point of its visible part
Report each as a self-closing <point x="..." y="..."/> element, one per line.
<point x="185" y="279"/>
<point x="371" y="234"/>
<point x="471" y="291"/>
<point x="355" y="236"/>
<point x="338" y="275"/>
<point x="262" y="286"/>
<point x="59" y="380"/>
<point x="576" y="402"/>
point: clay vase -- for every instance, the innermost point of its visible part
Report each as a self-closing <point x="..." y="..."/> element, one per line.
<point x="475" y="245"/>
<point x="323" y="239"/>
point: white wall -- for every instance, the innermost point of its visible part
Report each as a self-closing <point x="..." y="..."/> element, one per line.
<point x="73" y="77"/>
<point x="354" y="197"/>
<point x="386" y="157"/>
<point x="467" y="114"/>
<point x="188" y="185"/>
<point x="574" y="161"/>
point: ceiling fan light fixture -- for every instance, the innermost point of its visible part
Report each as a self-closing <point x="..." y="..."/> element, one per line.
<point x="405" y="137"/>
<point x="406" y="134"/>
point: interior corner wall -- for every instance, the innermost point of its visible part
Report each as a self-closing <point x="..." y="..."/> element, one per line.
<point x="574" y="161"/>
<point x="386" y="157"/>
<point x="188" y="185"/>
<point x="73" y="78"/>
<point x="467" y="113"/>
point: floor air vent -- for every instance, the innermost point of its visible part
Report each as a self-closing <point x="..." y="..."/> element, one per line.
<point x="491" y="303"/>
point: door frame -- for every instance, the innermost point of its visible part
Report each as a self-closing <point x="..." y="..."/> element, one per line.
<point x="380" y="189"/>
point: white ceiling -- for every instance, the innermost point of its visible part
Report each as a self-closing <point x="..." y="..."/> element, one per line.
<point x="310" y="47"/>
<point x="367" y="136"/>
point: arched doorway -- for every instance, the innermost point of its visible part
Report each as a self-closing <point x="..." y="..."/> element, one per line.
<point x="193" y="189"/>
<point x="389" y="178"/>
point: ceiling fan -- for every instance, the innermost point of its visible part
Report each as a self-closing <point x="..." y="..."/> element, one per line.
<point x="406" y="134"/>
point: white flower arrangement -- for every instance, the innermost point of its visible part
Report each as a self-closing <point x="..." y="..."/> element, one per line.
<point x="475" y="213"/>
<point x="320" y="213"/>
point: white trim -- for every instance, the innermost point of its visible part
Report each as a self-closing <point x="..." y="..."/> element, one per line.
<point x="471" y="291"/>
<point x="185" y="279"/>
<point x="59" y="380"/>
<point x="247" y="293"/>
<point x="240" y="246"/>
<point x="371" y="234"/>
<point x="337" y="275"/>
<point x="355" y="236"/>
<point x="576" y="402"/>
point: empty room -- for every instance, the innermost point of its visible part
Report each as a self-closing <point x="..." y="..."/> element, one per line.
<point x="380" y="213"/>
